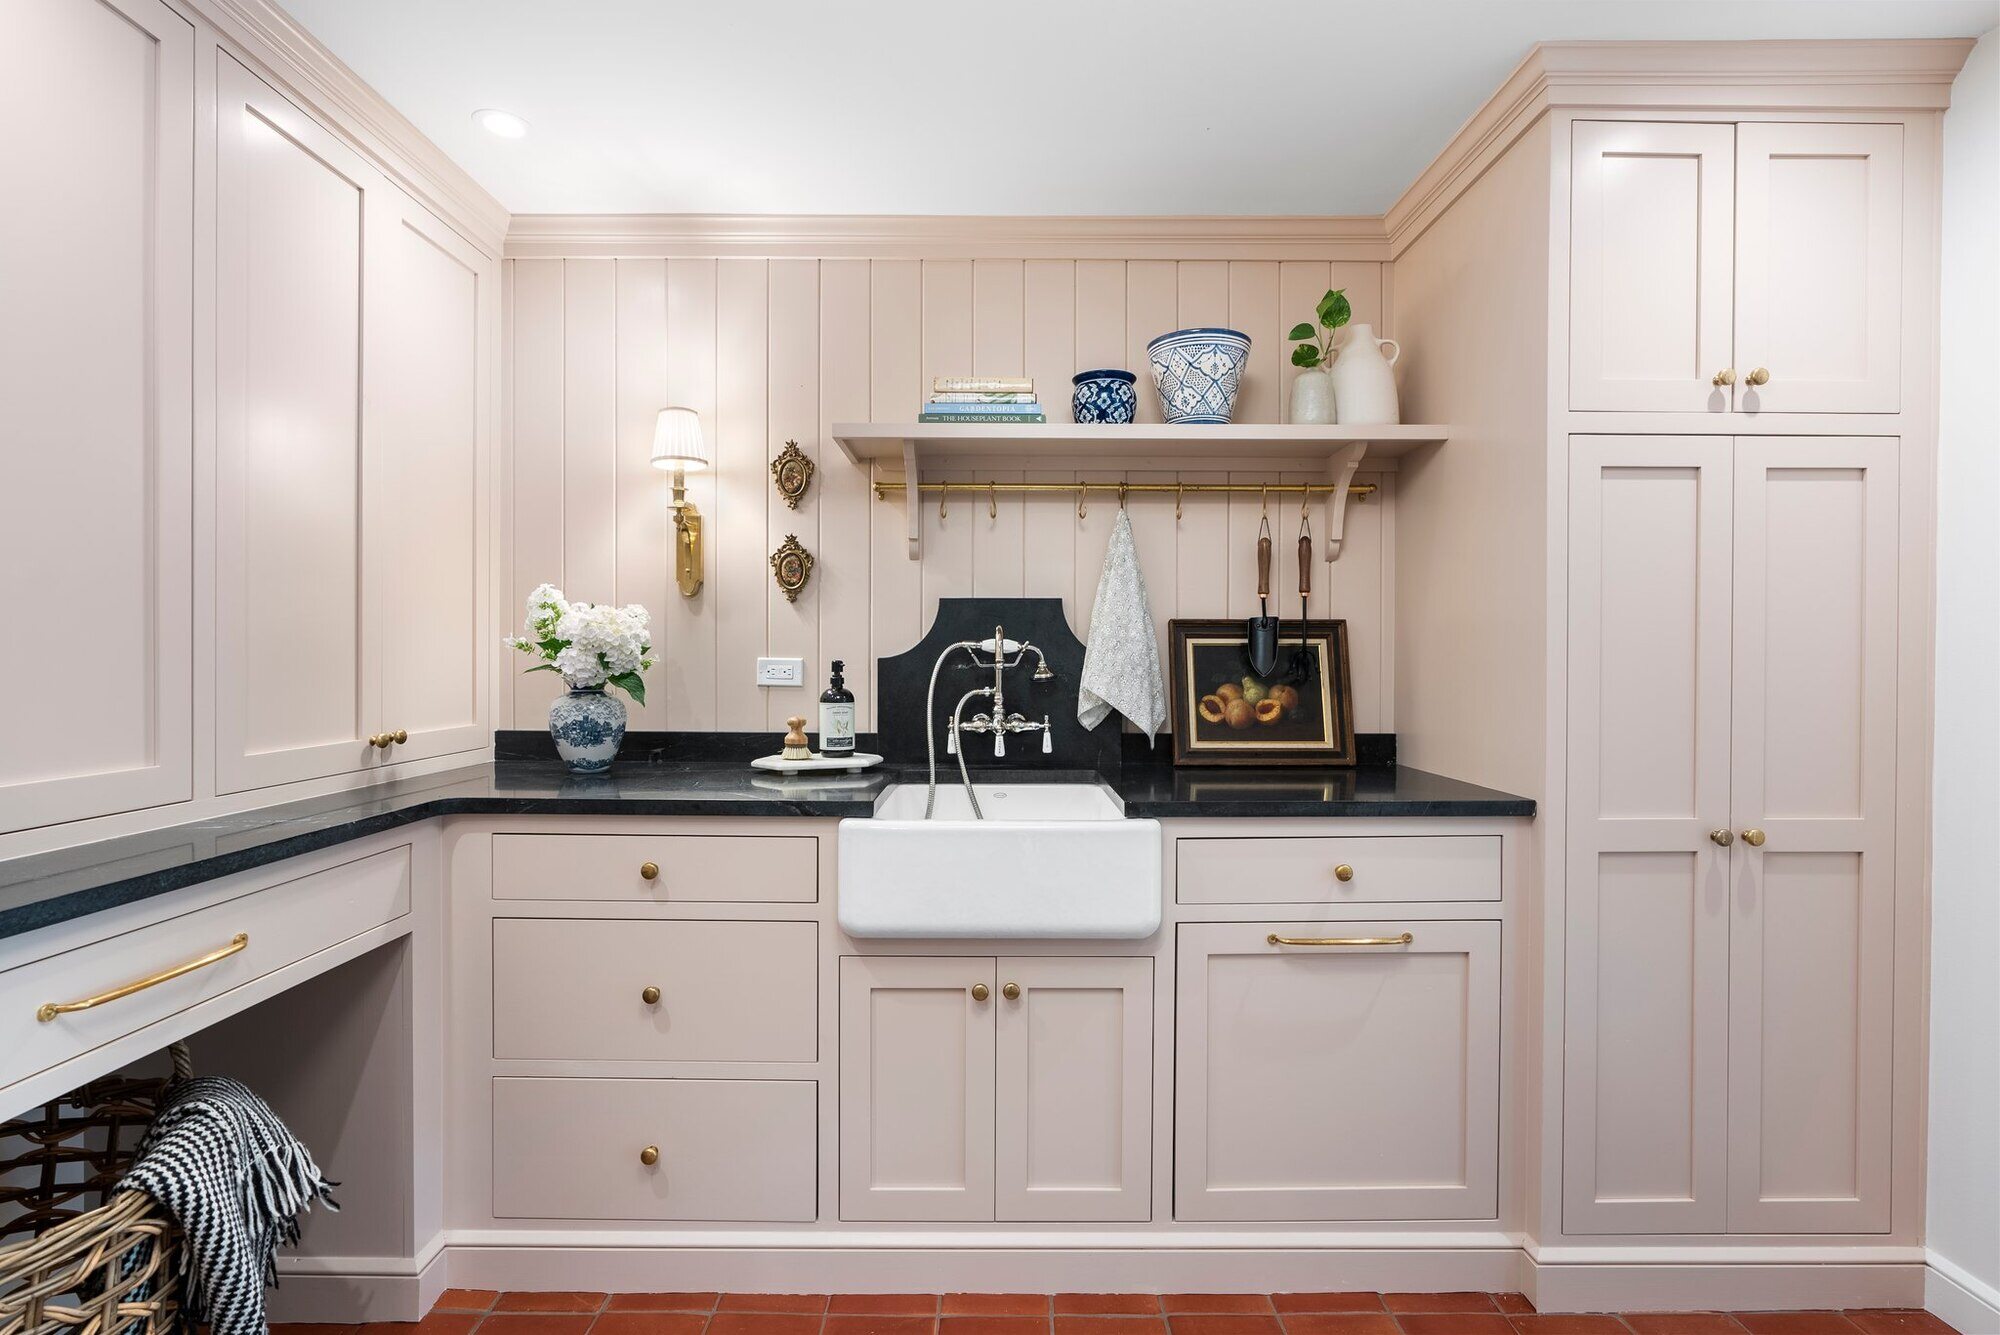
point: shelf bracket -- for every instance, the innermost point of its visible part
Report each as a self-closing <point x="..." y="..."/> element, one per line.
<point x="913" y="504"/>
<point x="1340" y="472"/>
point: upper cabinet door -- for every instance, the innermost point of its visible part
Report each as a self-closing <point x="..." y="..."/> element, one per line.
<point x="1073" y="1093"/>
<point x="916" y="1088"/>
<point x="1814" y="732"/>
<point x="1650" y="266"/>
<point x="1645" y="1064"/>
<point x="96" y="288"/>
<point x="427" y="367"/>
<point x="296" y="671"/>
<point x="1819" y="262"/>
<point x="1337" y="1081"/>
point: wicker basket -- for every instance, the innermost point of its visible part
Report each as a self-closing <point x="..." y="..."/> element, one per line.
<point x="58" y="1170"/>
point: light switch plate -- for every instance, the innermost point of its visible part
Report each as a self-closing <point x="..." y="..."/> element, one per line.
<point x="781" y="671"/>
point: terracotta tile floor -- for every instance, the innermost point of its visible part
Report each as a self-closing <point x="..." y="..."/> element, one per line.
<point x="466" y="1311"/>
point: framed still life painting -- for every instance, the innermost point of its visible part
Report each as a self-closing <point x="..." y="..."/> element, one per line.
<point x="1224" y="713"/>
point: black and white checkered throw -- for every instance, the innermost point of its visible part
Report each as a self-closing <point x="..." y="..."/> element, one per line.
<point x="235" y="1179"/>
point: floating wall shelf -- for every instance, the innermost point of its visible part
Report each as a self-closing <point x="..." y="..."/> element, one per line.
<point x="909" y="452"/>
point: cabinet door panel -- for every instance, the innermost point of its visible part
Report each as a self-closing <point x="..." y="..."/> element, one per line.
<point x="1814" y="769"/>
<point x="1074" y="1090"/>
<point x="425" y="418"/>
<point x="1337" y="1082"/>
<point x="1646" y="1038"/>
<point x="96" y="285"/>
<point x="1649" y="266"/>
<point x="1819" y="262"/>
<point x="296" y="668"/>
<point x="916" y="1089"/>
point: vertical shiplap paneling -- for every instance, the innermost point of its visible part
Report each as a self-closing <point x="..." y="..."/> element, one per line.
<point x="1049" y="354"/>
<point x="1253" y="308"/>
<point x="896" y="392"/>
<point x="1199" y="580"/>
<point x="590" y="431"/>
<point x="998" y="310"/>
<point x="538" y="464"/>
<point x="1354" y="592"/>
<point x="1100" y="320"/>
<point x="508" y="621"/>
<point x="1152" y="308"/>
<point x="687" y="674"/>
<point x="644" y="520"/>
<point x="741" y="550"/>
<point x="792" y="628"/>
<point x="1204" y="295"/>
<point x="1362" y="281"/>
<point x="1157" y="537"/>
<point x="846" y="503"/>
<point x="947" y="564"/>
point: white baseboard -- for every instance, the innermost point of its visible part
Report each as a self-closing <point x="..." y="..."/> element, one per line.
<point x="1959" y="1298"/>
<point x="350" y="1289"/>
<point x="1642" y="1286"/>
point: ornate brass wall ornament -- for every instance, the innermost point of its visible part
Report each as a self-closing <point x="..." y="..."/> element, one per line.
<point x="791" y="566"/>
<point x="793" y="472"/>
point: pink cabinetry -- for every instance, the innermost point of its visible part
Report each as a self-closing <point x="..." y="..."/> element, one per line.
<point x="1731" y="850"/>
<point x="1351" y="1076"/>
<point x="96" y="268"/>
<point x="982" y="1089"/>
<point x="1753" y="267"/>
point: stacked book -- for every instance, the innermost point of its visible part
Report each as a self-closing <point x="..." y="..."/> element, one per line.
<point x="982" y="399"/>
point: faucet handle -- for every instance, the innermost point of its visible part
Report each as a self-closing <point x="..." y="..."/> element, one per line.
<point x="1048" y="742"/>
<point x="999" y="741"/>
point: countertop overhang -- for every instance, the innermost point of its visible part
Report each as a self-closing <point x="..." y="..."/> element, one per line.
<point x="43" y="889"/>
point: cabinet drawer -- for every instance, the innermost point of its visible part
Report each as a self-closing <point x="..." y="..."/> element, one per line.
<point x="1385" y="869"/>
<point x="728" y="1149"/>
<point x="762" y="869"/>
<point x="283" y="924"/>
<point x="576" y="989"/>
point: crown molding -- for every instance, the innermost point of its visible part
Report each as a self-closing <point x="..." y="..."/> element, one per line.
<point x="1724" y="78"/>
<point x="697" y="235"/>
<point x="275" y="42"/>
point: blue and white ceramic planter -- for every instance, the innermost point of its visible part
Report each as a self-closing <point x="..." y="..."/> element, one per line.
<point x="588" y="726"/>
<point x="1104" y="398"/>
<point x="1198" y="371"/>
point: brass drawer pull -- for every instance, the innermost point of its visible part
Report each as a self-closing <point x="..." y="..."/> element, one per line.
<point x="1011" y="991"/>
<point x="649" y="871"/>
<point x="650" y="1155"/>
<point x="1343" y="872"/>
<point x="980" y="992"/>
<point x="1760" y="376"/>
<point x="1405" y="939"/>
<point x="650" y="995"/>
<point x="51" y="1009"/>
<point x="1754" y="838"/>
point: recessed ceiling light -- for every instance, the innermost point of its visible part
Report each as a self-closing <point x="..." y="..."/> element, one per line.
<point x="505" y="124"/>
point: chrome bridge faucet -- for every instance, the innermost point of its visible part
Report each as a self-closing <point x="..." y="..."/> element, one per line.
<point x="999" y="722"/>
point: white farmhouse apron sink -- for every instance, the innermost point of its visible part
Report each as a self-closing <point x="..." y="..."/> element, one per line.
<point x="1049" y="861"/>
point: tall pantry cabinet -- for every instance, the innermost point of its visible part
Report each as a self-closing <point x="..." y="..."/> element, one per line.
<point x="247" y="378"/>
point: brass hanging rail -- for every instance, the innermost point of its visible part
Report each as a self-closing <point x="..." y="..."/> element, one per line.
<point x="883" y="490"/>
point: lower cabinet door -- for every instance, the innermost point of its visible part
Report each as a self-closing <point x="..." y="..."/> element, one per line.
<point x="1319" y="1078"/>
<point x="1073" y="1095"/>
<point x="916" y="1088"/>
<point x="718" y="1149"/>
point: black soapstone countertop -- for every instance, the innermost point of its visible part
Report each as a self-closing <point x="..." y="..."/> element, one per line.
<point x="42" y="889"/>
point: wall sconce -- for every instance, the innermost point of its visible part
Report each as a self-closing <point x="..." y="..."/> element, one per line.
<point x="677" y="444"/>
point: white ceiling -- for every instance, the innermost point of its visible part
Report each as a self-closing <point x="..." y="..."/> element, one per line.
<point x="1027" y="107"/>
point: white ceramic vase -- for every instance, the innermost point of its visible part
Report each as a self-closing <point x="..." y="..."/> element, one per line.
<point x="1312" y="396"/>
<point x="1364" y="379"/>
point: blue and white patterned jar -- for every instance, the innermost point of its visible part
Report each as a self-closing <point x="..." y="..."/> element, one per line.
<point x="1104" y="398"/>
<point x="1198" y="371"/>
<point x="588" y="726"/>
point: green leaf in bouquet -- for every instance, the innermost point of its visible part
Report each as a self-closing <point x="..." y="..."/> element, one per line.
<point x="1334" y="310"/>
<point x="1305" y="354"/>
<point x="1301" y="330"/>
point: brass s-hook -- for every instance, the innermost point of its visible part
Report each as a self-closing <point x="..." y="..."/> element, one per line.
<point x="992" y="502"/>
<point x="1121" y="495"/>
<point x="1180" y="490"/>
<point x="1082" y="501"/>
<point x="1264" y="495"/>
<point x="944" y="499"/>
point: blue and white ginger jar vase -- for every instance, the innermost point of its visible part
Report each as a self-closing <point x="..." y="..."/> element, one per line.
<point x="1198" y="371"/>
<point x="1103" y="398"/>
<point x="588" y="725"/>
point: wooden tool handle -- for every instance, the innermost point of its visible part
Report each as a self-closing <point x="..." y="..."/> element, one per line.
<point x="1263" y="567"/>
<point x="1305" y="565"/>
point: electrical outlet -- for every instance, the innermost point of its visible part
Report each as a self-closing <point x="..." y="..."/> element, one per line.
<point x="781" y="671"/>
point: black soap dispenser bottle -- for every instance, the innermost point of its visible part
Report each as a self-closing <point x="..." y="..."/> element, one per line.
<point x="836" y="717"/>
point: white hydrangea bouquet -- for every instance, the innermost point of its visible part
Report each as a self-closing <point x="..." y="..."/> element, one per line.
<point x="590" y="644"/>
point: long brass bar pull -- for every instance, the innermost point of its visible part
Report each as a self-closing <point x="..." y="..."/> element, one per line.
<point x="1405" y="939"/>
<point x="51" y="1009"/>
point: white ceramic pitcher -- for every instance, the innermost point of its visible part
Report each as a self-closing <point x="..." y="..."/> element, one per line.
<point x="1364" y="379"/>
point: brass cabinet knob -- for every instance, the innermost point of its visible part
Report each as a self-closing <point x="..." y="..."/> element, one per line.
<point x="650" y="995"/>
<point x="1011" y="991"/>
<point x="1757" y="377"/>
<point x="380" y="740"/>
<point x="1754" y="838"/>
<point x="1722" y="837"/>
<point x="650" y="1155"/>
<point x="649" y="871"/>
<point x="400" y="736"/>
<point x="980" y="992"/>
<point x="1726" y="376"/>
<point x="1343" y="872"/>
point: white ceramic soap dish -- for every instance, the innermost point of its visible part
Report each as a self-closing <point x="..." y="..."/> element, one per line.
<point x="853" y="764"/>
